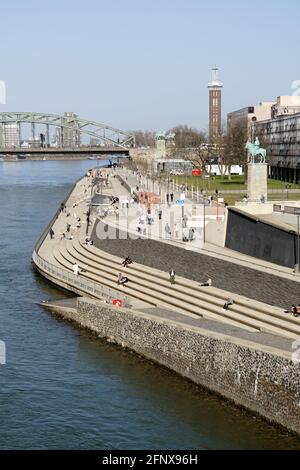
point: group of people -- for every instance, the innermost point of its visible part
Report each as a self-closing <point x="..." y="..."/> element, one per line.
<point x="170" y="198"/>
<point x="88" y="241"/>
<point x="188" y="234"/>
<point x="123" y="280"/>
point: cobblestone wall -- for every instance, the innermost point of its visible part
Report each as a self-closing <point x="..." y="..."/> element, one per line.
<point x="258" y="378"/>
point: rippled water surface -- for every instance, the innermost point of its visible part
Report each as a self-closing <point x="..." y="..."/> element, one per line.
<point x="63" y="389"/>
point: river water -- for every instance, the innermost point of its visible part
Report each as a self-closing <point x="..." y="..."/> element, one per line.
<point x="61" y="388"/>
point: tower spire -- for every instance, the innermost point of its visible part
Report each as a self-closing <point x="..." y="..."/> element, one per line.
<point x="215" y="105"/>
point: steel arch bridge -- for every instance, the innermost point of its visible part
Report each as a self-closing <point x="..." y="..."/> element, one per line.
<point x="107" y="136"/>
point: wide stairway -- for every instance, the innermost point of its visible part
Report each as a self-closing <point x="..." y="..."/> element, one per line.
<point x="186" y="297"/>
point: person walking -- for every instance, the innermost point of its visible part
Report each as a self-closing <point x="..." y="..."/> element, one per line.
<point x="176" y="230"/>
<point x="168" y="198"/>
<point x="75" y="269"/>
<point x="191" y="234"/>
<point x="51" y="233"/>
<point x="185" y="234"/>
<point x="160" y="214"/>
<point x="172" y="275"/>
<point x="172" y="197"/>
<point x="167" y="231"/>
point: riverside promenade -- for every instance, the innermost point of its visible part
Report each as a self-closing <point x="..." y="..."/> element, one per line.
<point x="244" y="354"/>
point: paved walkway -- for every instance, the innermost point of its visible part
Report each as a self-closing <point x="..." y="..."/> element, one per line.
<point x="196" y="217"/>
<point x="276" y="343"/>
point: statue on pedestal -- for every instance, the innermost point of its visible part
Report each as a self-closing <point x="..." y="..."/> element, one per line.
<point x="257" y="181"/>
<point x="161" y="140"/>
<point x="254" y="150"/>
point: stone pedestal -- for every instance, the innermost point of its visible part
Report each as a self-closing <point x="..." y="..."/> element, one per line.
<point x="160" y="145"/>
<point x="257" y="182"/>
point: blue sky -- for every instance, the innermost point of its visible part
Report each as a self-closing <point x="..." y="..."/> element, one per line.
<point x="145" y="64"/>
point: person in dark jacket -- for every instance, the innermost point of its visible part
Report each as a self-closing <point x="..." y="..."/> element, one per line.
<point x="228" y="303"/>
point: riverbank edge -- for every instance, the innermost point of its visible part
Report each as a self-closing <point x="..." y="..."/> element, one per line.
<point x="252" y="376"/>
<point x="257" y="378"/>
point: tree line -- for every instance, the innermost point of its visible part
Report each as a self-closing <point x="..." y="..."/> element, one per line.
<point x="191" y="144"/>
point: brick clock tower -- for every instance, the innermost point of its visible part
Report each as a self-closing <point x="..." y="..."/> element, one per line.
<point x="215" y="105"/>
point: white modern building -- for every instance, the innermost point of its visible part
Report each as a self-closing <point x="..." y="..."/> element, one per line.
<point x="9" y="135"/>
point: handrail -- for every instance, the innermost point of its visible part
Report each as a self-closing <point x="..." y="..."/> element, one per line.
<point x="80" y="282"/>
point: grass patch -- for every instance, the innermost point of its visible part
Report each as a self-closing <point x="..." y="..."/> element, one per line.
<point x="224" y="183"/>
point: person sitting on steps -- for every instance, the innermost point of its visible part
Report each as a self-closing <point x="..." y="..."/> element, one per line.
<point x="228" y="303"/>
<point x="208" y="283"/>
<point x="122" y="280"/>
<point x="127" y="261"/>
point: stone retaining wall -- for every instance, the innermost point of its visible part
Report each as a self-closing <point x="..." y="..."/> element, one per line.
<point x="258" y="378"/>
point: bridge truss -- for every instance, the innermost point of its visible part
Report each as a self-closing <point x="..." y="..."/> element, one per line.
<point x="69" y="123"/>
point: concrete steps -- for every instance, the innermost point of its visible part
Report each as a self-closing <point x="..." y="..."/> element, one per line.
<point x="191" y="300"/>
<point x="253" y="309"/>
<point x="144" y="291"/>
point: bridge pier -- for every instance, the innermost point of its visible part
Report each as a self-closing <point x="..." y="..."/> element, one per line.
<point x="47" y="135"/>
<point x="33" y="131"/>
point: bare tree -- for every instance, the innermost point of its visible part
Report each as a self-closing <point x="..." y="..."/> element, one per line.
<point x="144" y="138"/>
<point x="234" y="152"/>
<point x="188" y="137"/>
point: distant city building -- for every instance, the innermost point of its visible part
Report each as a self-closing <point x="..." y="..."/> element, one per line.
<point x="284" y="105"/>
<point x="277" y="124"/>
<point x="281" y="137"/>
<point x="250" y="114"/>
<point x="175" y="166"/>
<point x="94" y="142"/>
<point x="215" y="106"/>
<point x="9" y="135"/>
<point x="34" y="142"/>
<point x="67" y="137"/>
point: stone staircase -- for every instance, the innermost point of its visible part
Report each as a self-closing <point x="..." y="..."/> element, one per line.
<point x="153" y="287"/>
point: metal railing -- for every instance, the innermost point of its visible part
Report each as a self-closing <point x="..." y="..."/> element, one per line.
<point x="294" y="210"/>
<point x="86" y="285"/>
<point x="79" y="282"/>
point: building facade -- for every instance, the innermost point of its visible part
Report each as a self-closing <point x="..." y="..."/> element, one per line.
<point x="249" y="115"/>
<point x="277" y="124"/>
<point x="9" y="135"/>
<point x="281" y="136"/>
<point x="215" y="106"/>
<point x="67" y="137"/>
